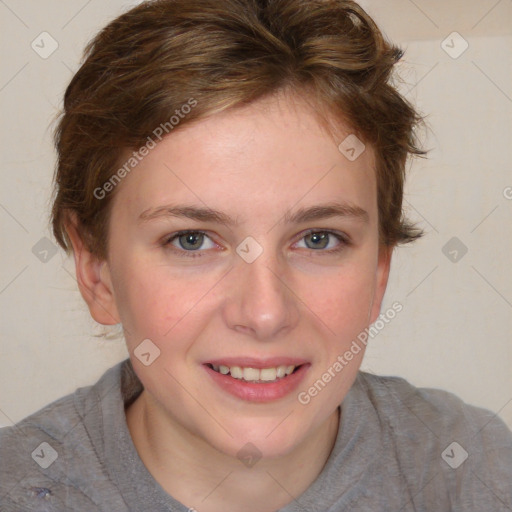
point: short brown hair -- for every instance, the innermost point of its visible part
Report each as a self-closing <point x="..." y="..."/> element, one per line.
<point x="157" y="57"/>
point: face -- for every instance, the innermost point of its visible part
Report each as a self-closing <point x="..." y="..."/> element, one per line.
<point x="246" y="243"/>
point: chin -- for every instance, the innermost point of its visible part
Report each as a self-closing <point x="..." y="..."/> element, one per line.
<point x="271" y="437"/>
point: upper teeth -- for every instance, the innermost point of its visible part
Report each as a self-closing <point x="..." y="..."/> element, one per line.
<point x="255" y="374"/>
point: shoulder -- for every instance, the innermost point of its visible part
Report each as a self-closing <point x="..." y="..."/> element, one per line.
<point x="34" y="454"/>
<point x="405" y="405"/>
<point x="465" y="451"/>
<point x="49" y="459"/>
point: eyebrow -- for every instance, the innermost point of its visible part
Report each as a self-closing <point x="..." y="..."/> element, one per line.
<point x="302" y="215"/>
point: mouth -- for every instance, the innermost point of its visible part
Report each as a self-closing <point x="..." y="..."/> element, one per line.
<point x="257" y="375"/>
<point x="256" y="380"/>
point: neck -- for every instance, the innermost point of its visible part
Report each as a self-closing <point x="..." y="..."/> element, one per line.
<point x="203" y="478"/>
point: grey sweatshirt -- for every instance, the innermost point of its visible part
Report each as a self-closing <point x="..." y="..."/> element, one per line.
<point x="399" y="448"/>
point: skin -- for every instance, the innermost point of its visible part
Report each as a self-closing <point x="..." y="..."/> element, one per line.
<point x="254" y="164"/>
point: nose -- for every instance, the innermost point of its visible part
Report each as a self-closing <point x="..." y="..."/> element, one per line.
<point x="260" y="302"/>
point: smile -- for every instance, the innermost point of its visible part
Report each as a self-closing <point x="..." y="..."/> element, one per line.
<point x="249" y="374"/>
<point x="257" y="380"/>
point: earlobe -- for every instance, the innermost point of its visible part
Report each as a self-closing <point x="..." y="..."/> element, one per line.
<point x="381" y="281"/>
<point x="93" y="277"/>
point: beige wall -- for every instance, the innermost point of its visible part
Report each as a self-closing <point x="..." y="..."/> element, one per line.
<point x="455" y="329"/>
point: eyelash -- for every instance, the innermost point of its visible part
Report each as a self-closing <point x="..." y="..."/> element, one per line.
<point x="343" y="239"/>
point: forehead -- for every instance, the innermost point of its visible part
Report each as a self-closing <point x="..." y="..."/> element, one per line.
<point x="274" y="151"/>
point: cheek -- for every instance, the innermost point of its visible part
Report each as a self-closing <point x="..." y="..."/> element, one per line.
<point x="156" y="303"/>
<point x="342" y="301"/>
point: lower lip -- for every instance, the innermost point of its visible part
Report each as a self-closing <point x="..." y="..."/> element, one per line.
<point x="259" y="392"/>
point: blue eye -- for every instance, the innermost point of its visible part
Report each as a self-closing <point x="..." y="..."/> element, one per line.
<point x="319" y="240"/>
<point x="190" y="243"/>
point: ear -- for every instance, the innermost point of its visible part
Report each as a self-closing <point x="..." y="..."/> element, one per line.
<point x="381" y="280"/>
<point x="93" y="277"/>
